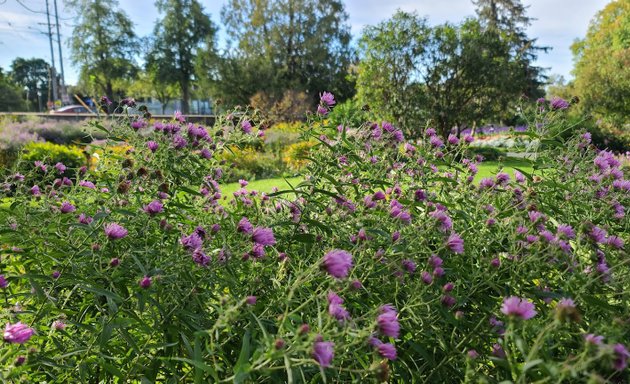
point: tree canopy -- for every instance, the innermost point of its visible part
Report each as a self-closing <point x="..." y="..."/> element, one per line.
<point x="602" y="64"/>
<point x="302" y="45"/>
<point x="33" y="74"/>
<point x="179" y="36"/>
<point x="103" y="44"/>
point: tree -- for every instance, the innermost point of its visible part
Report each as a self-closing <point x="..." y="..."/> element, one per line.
<point x="389" y="71"/>
<point x="183" y="31"/>
<point x="10" y="99"/>
<point x="450" y="74"/>
<point x="149" y="85"/>
<point x="301" y="45"/>
<point x="32" y="74"/>
<point x="103" y="44"/>
<point x="508" y="20"/>
<point x="602" y="64"/>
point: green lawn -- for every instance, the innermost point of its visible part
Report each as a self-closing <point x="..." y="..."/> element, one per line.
<point x="486" y="169"/>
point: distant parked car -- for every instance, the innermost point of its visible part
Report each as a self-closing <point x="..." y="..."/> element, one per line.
<point x="71" y="109"/>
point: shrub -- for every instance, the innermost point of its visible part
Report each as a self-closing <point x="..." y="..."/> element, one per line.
<point x="295" y="155"/>
<point x="249" y="163"/>
<point x="386" y="264"/>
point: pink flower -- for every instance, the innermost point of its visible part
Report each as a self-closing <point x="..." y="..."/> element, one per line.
<point x="66" y="207"/>
<point x="246" y="126"/>
<point x="455" y="243"/>
<point x="17" y="333"/>
<point x="338" y="263"/>
<point x="517" y="307"/>
<point x="250" y="300"/>
<point x="327" y="98"/>
<point x="594" y="339"/>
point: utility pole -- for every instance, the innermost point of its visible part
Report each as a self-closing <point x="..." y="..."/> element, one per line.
<point x="63" y="79"/>
<point x="53" y="76"/>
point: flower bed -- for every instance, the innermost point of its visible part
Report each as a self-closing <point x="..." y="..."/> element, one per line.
<point x="387" y="263"/>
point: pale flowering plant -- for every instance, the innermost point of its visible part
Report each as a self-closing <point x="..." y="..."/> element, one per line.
<point x="389" y="262"/>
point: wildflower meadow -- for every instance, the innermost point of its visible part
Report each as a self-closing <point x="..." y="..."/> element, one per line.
<point x="387" y="261"/>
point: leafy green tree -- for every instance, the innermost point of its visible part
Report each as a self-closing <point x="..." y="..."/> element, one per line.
<point x="32" y="74"/>
<point x="602" y="64"/>
<point x="103" y="44"/>
<point x="453" y="75"/>
<point x="389" y="73"/>
<point x="178" y="39"/>
<point x="10" y="94"/>
<point x="301" y="45"/>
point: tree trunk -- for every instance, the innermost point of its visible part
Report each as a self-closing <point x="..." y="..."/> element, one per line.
<point x="109" y="90"/>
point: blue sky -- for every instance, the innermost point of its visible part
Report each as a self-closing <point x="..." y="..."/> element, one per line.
<point x="557" y="24"/>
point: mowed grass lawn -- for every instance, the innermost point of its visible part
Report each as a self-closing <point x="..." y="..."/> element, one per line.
<point x="486" y="169"/>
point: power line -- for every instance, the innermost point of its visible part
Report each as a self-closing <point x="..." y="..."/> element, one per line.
<point x="28" y="9"/>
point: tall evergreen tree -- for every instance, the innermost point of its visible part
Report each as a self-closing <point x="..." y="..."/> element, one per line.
<point x="178" y="39"/>
<point x="103" y="44"/>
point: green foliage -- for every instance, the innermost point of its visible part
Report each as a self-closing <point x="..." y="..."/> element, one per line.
<point x="103" y="45"/>
<point x="32" y="74"/>
<point x="250" y="164"/>
<point x="11" y="99"/>
<point x="452" y="75"/>
<point x="295" y="156"/>
<point x="169" y="298"/>
<point x="50" y="153"/>
<point x="285" y="45"/>
<point x="602" y="73"/>
<point x="178" y="37"/>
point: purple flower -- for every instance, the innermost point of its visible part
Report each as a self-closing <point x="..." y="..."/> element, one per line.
<point x="426" y="277"/>
<point x="153" y="208"/>
<point x="322" y="110"/>
<point x="323" y="352"/>
<point x="179" y="141"/>
<point x="115" y="231"/>
<point x="446" y="224"/>
<point x="250" y="300"/>
<point x="517" y="307"/>
<point x="179" y="116"/>
<point x="338" y="263"/>
<point x="66" y="207"/>
<point x="244" y="226"/>
<point x="58" y="325"/>
<point x="105" y="100"/>
<point x="327" y="98"/>
<point x="566" y="230"/>
<point x="335" y="309"/>
<point x="387" y="350"/>
<point x="452" y="139"/>
<point x="598" y="234"/>
<point x="145" y="282"/>
<point x="409" y="265"/>
<point x="152" y="145"/>
<point x="615" y="242"/>
<point x="200" y="258"/>
<point x="246" y="127"/>
<point x="85" y="219"/>
<point x="3" y="282"/>
<point x="594" y="339"/>
<point x="502" y="178"/>
<point x="114" y="262"/>
<point x="448" y="301"/>
<point x="436" y="142"/>
<point x="87" y="184"/>
<point x="17" y="333"/>
<point x="486" y="182"/>
<point x="388" y="321"/>
<point x="455" y="243"/>
<point x="263" y="236"/>
<point x="61" y="168"/>
<point x="35" y="191"/>
<point x="519" y="177"/>
<point x="191" y="242"/>
<point x="559" y="103"/>
<point x="621" y="357"/>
